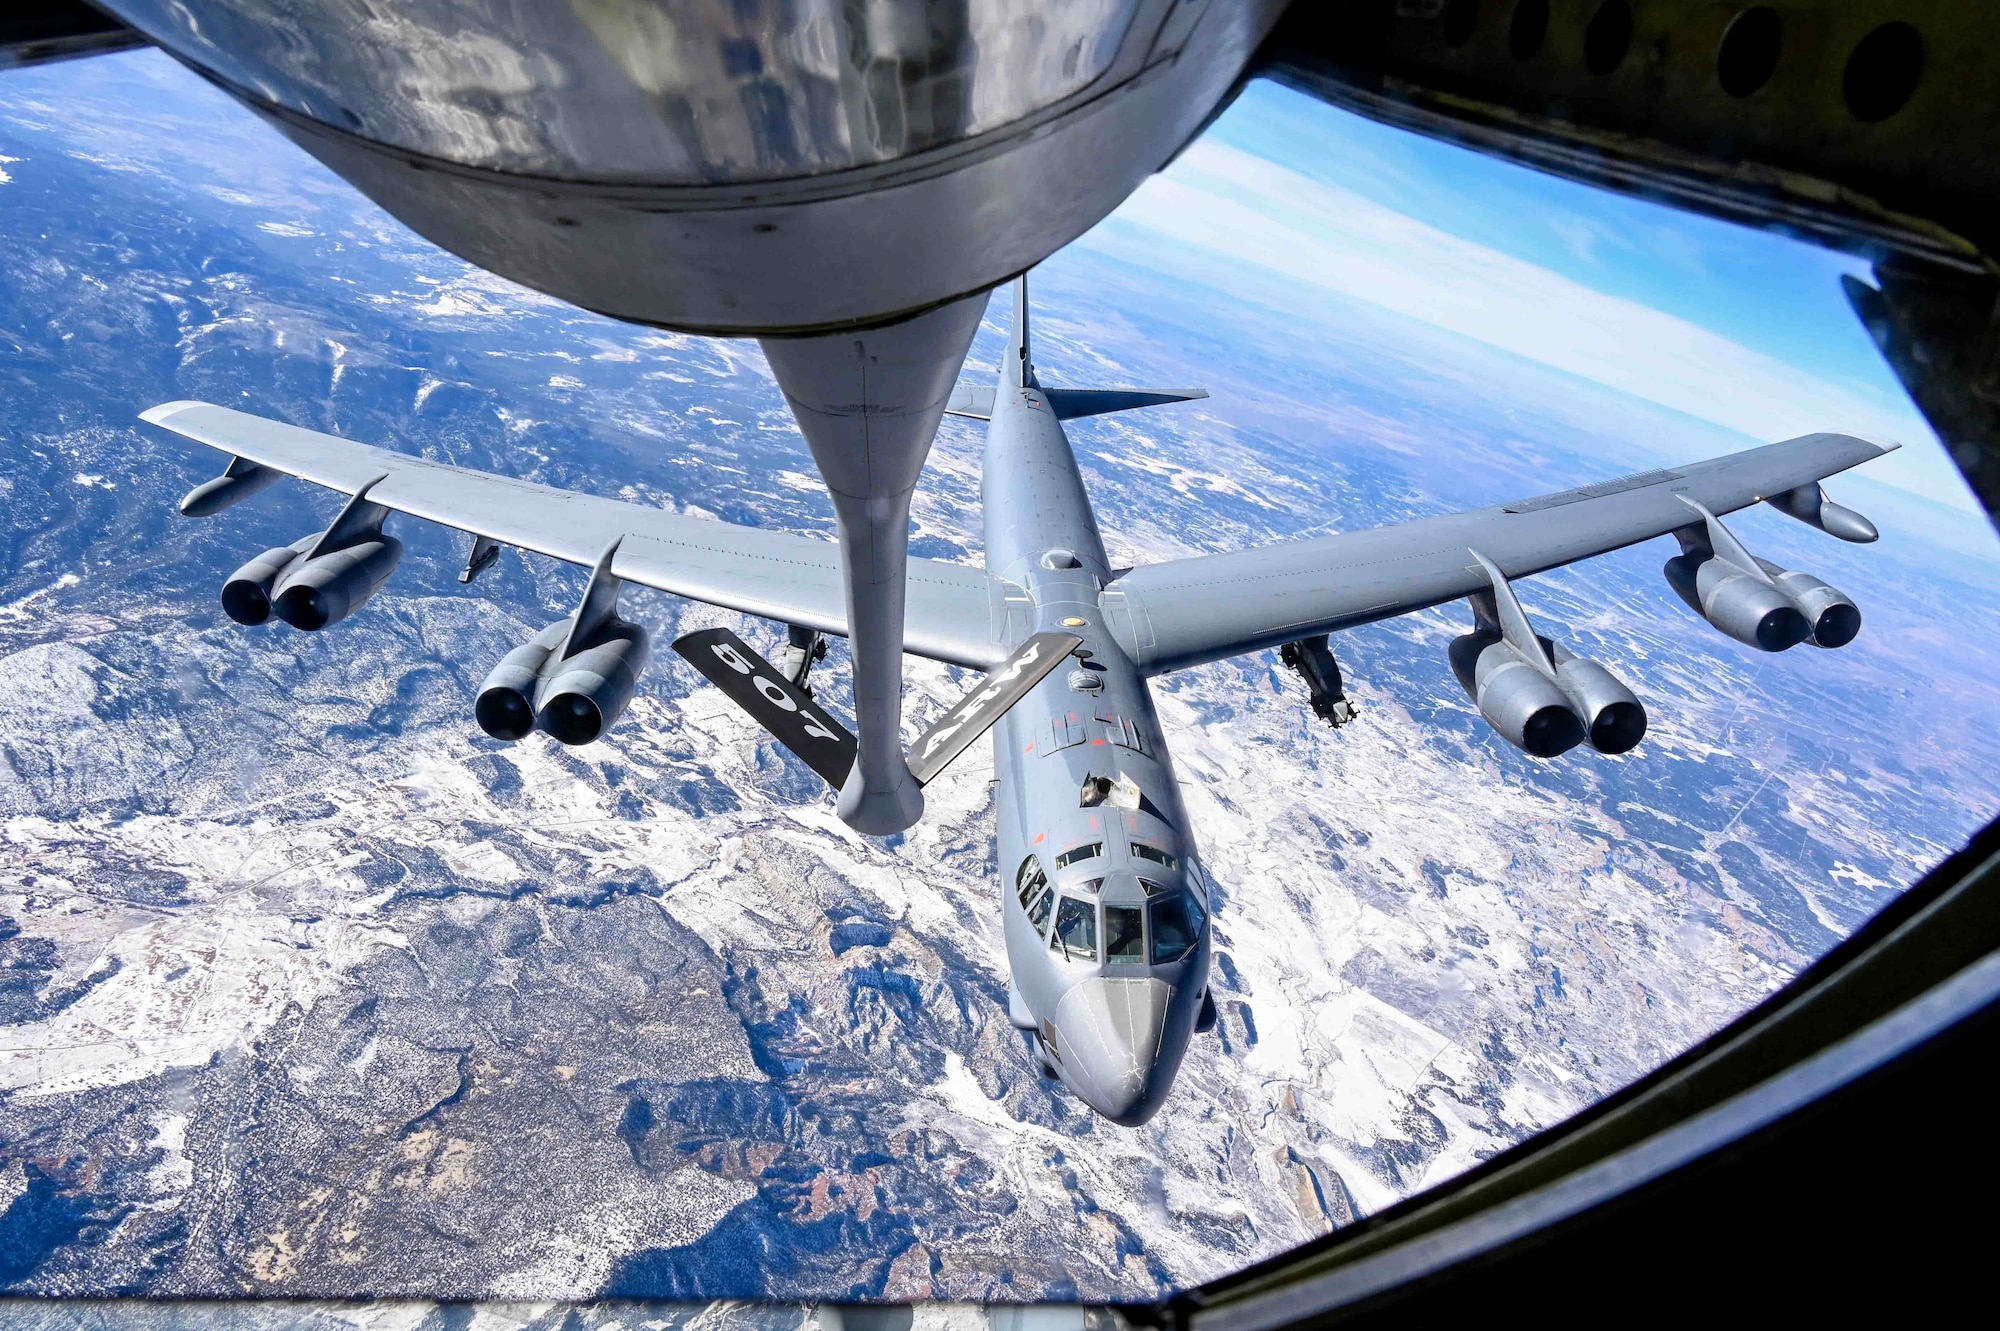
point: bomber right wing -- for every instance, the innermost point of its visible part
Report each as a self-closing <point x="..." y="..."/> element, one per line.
<point x="1188" y="611"/>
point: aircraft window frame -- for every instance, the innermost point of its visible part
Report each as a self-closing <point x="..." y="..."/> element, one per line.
<point x="1028" y="879"/>
<point x="1090" y="885"/>
<point x="1153" y="889"/>
<point x="1039" y="912"/>
<point x="1196" y="918"/>
<point x="1137" y="957"/>
<point x="1089" y="850"/>
<point x="1154" y="855"/>
<point x="1087" y="911"/>
<point x="1200" y="880"/>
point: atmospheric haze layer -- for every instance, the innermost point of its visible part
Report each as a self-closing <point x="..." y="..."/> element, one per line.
<point x="307" y="987"/>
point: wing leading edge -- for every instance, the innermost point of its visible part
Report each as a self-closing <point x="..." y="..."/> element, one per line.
<point x="774" y="575"/>
<point x="1188" y="611"/>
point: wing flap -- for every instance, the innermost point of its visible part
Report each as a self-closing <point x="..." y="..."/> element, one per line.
<point x="1215" y="606"/>
<point x="973" y="401"/>
<point x="775" y="575"/>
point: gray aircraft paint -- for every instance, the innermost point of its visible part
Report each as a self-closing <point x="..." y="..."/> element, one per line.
<point x="1080" y="759"/>
<point x="1114" y="1031"/>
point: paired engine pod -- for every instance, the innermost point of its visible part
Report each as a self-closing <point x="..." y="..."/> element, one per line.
<point x="1749" y="610"/>
<point x="1614" y="720"/>
<point x="1527" y="707"/>
<point x="246" y="596"/>
<point x="328" y="588"/>
<point x="505" y="707"/>
<point x="1834" y="617"/>
<point x="589" y="689"/>
<point x="577" y="697"/>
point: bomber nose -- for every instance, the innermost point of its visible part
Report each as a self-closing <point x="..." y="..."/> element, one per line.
<point x="1110" y="1043"/>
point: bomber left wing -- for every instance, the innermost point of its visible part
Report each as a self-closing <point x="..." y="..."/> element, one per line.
<point x="1187" y="611"/>
<point x="774" y="575"/>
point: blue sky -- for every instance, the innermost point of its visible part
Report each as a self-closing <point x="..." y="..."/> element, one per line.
<point x="1744" y="328"/>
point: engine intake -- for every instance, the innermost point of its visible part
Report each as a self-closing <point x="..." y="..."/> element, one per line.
<point x="316" y="581"/>
<point x="1547" y="715"/>
<point x="1613" y="719"/>
<point x="1759" y="603"/>
<point x="505" y="707"/>
<point x="1542" y="698"/>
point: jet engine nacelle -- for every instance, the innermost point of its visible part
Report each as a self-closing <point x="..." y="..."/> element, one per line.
<point x="246" y="596"/>
<point x="1834" y="617"/>
<point x="326" y="589"/>
<point x="590" y="689"/>
<point x="505" y="708"/>
<point x="1546" y="716"/>
<point x="1614" y="721"/>
<point x="1791" y="608"/>
<point x="574" y="697"/>
<point x="1743" y="606"/>
<point x="1759" y="603"/>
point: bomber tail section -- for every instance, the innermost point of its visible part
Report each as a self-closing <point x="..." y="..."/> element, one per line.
<point x="1017" y="370"/>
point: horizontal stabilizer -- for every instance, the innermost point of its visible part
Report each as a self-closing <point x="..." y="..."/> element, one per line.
<point x="774" y="702"/>
<point x="1069" y="403"/>
<point x="975" y="401"/>
<point x="974" y="714"/>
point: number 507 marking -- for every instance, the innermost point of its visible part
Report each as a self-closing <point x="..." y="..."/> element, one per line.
<point x="772" y="691"/>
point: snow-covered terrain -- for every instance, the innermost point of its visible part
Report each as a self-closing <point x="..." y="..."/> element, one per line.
<point x="307" y="987"/>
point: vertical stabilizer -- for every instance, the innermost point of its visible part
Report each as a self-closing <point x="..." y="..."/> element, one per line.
<point x="1020" y="367"/>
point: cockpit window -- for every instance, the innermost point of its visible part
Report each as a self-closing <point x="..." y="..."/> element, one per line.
<point x="1176" y="925"/>
<point x="1030" y="879"/>
<point x="1145" y="852"/>
<point x="1151" y="888"/>
<point x="1078" y="854"/>
<point x="1076" y="930"/>
<point x="1038" y="914"/>
<point x="1122" y="940"/>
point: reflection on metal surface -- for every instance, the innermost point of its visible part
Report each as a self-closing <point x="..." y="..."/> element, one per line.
<point x="701" y="92"/>
<point x="735" y="167"/>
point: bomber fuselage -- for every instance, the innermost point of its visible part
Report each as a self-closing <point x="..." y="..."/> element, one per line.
<point x="1105" y="907"/>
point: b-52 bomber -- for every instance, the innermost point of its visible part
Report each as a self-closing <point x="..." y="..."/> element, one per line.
<point x="1106" y="906"/>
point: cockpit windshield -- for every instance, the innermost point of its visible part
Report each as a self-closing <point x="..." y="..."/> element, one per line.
<point x="1176" y="922"/>
<point x="1076" y="930"/>
<point x="1122" y="939"/>
<point x="1038" y="912"/>
<point x="1030" y="879"/>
